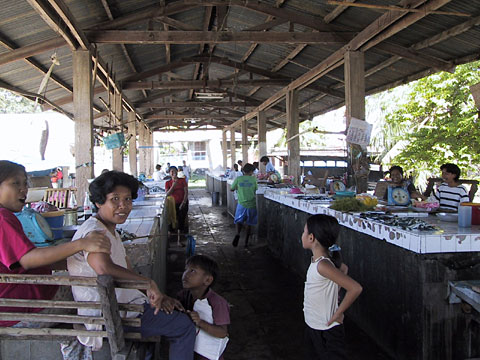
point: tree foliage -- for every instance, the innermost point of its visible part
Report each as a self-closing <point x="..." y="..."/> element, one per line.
<point x="439" y="122"/>
<point x="11" y="103"/>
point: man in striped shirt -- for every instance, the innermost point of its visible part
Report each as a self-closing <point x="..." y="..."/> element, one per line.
<point x="450" y="193"/>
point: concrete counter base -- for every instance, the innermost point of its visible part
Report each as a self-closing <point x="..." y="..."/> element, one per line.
<point x="404" y="305"/>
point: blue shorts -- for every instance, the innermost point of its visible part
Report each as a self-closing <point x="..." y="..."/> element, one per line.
<point x="245" y="215"/>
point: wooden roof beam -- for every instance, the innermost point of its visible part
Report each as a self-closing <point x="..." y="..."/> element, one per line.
<point x="214" y="37"/>
<point x="140" y="15"/>
<point x="11" y="46"/>
<point x="314" y="22"/>
<point x="336" y="12"/>
<point x="150" y="118"/>
<point x="206" y="26"/>
<point x="201" y="84"/>
<point x="367" y="38"/>
<point x="268" y="24"/>
<point x="194" y="104"/>
<point x="31" y="50"/>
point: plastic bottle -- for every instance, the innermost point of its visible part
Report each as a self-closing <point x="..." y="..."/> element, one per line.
<point x="464" y="215"/>
<point x="87" y="206"/>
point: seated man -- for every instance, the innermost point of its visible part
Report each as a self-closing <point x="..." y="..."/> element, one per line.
<point x="112" y="194"/>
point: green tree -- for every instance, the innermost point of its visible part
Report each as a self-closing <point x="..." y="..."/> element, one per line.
<point x="11" y="103"/>
<point x="439" y="122"/>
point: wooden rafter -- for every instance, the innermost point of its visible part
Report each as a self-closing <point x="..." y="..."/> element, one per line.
<point x="337" y="12"/>
<point x="31" y="50"/>
<point x="367" y="38"/>
<point x="213" y="37"/>
<point x="199" y="84"/>
<point x="393" y="8"/>
<point x="196" y="104"/>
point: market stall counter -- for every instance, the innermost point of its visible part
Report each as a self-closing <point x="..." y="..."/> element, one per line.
<point x="217" y="186"/>
<point x="404" y="273"/>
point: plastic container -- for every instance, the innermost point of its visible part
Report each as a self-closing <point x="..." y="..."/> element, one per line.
<point x="476" y="214"/>
<point x="55" y="220"/>
<point x="215" y="197"/>
<point x="464" y="215"/>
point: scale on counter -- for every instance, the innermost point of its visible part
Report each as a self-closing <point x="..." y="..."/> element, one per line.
<point x="398" y="196"/>
<point x="35" y="226"/>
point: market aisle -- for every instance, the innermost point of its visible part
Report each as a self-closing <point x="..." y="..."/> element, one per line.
<point x="266" y="298"/>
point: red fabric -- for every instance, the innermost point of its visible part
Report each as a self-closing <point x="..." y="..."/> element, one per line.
<point x="13" y="245"/>
<point x="179" y="191"/>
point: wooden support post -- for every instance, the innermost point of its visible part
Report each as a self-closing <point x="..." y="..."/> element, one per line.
<point x="244" y="142"/>
<point x="262" y="137"/>
<point x="143" y="151"/>
<point x="117" y="154"/>
<point x="113" y="323"/>
<point x="224" y="149"/>
<point x="82" y="108"/>
<point x="355" y="107"/>
<point x="233" y="146"/>
<point x="293" y="145"/>
<point x="149" y="156"/>
<point x="132" y="143"/>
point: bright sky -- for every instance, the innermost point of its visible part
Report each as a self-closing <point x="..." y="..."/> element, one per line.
<point x="20" y="139"/>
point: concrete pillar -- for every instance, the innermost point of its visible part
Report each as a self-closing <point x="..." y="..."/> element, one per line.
<point x="262" y="137"/>
<point x="83" y="116"/>
<point x="224" y="149"/>
<point x="293" y="140"/>
<point x="117" y="154"/>
<point x="244" y="142"/>
<point x="233" y="146"/>
<point x="355" y="107"/>
<point x="132" y="143"/>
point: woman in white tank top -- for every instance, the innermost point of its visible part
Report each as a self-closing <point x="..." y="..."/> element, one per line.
<point x="324" y="337"/>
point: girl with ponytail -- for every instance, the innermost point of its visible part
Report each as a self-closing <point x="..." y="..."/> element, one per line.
<point x="324" y="333"/>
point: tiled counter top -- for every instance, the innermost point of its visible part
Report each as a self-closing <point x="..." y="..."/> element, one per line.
<point x="450" y="238"/>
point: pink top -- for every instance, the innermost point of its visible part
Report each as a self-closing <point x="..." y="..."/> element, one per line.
<point x="13" y="245"/>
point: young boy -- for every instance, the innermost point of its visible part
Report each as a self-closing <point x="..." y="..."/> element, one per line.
<point x="208" y="310"/>
<point x="246" y="211"/>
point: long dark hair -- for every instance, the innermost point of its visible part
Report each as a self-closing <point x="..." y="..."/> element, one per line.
<point x="9" y="169"/>
<point x="325" y="230"/>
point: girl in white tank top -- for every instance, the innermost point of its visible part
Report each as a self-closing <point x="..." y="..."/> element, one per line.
<point x="325" y="275"/>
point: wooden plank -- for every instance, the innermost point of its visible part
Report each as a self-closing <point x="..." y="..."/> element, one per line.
<point x="63" y="319"/>
<point x="50" y="332"/>
<point x="292" y="134"/>
<point x="394" y="8"/>
<point x="224" y="149"/>
<point x="50" y="304"/>
<point x="150" y="118"/>
<point x="337" y="12"/>
<point x="132" y="143"/>
<point x="262" y="137"/>
<point x="117" y="153"/>
<point x="64" y="12"/>
<point x="245" y="143"/>
<point x="31" y="50"/>
<point x="196" y="104"/>
<point x="201" y="84"/>
<point x="233" y="146"/>
<point x="214" y="37"/>
<point x="113" y="325"/>
<point x="53" y="20"/>
<point x="68" y="281"/>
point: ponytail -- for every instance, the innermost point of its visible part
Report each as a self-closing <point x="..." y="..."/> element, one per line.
<point x="325" y="230"/>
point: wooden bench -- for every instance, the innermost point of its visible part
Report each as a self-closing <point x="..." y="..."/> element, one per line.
<point x="110" y="316"/>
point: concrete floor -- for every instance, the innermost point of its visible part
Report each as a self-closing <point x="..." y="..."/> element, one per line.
<point x="266" y="298"/>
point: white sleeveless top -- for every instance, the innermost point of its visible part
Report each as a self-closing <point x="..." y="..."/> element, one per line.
<point x="320" y="298"/>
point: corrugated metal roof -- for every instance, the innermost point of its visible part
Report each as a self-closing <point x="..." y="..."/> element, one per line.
<point x="21" y="26"/>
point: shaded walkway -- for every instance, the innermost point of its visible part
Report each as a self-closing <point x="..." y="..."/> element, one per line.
<point x="266" y="298"/>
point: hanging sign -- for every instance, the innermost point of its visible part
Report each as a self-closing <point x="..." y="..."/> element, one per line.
<point x="359" y="132"/>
